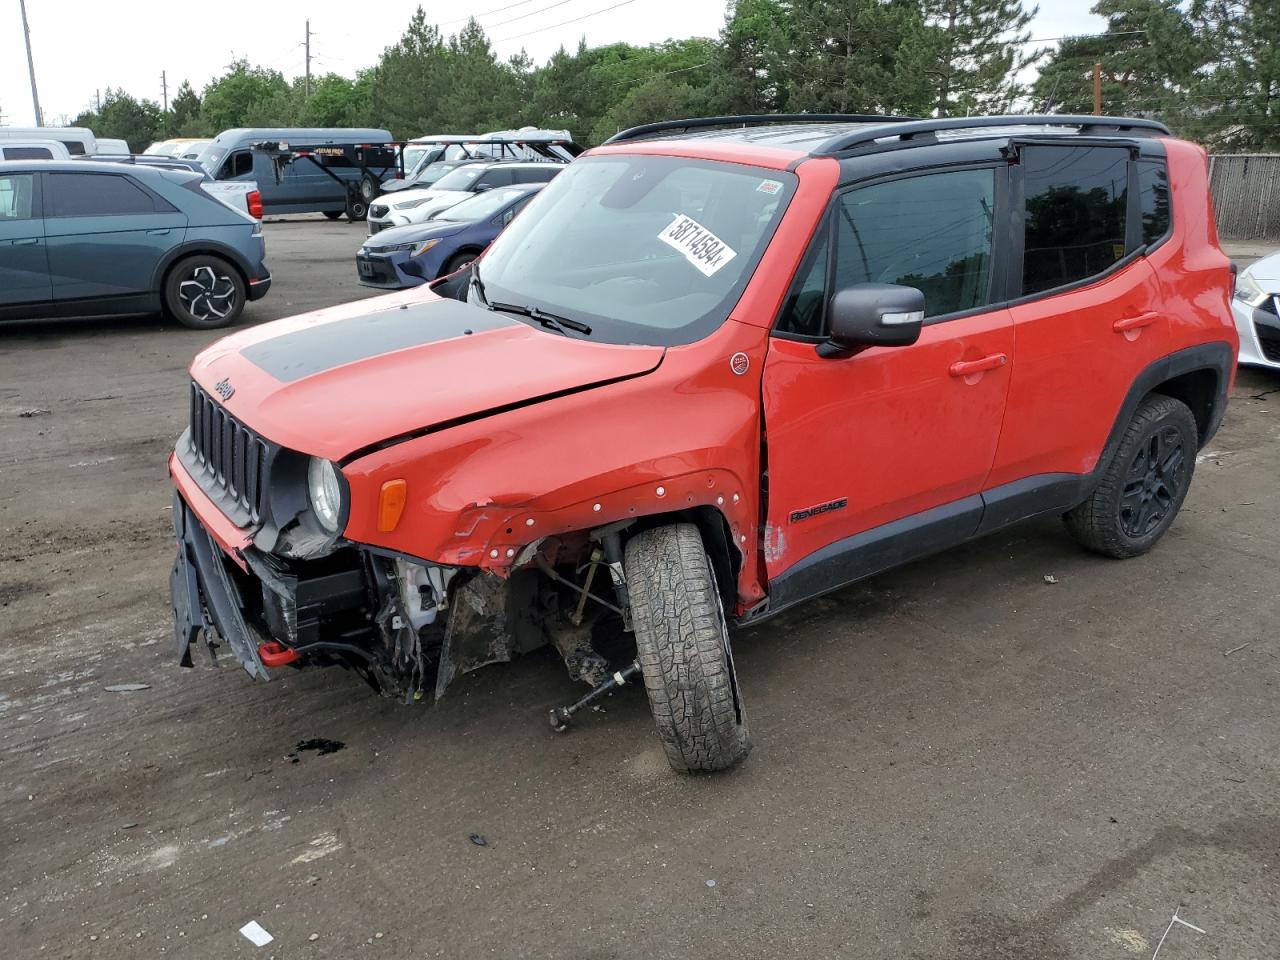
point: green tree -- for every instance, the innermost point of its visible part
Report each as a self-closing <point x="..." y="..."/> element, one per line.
<point x="335" y="101"/>
<point x="1238" y="95"/>
<point x="138" y="122"/>
<point x="979" y="48"/>
<point x="1149" y="55"/>
<point x="246" y="95"/>
<point x="750" y="74"/>
<point x="184" y="114"/>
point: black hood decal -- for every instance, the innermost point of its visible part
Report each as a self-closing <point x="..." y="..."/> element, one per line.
<point x="305" y="353"/>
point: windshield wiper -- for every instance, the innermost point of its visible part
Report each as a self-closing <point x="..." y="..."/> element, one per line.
<point x="552" y="321"/>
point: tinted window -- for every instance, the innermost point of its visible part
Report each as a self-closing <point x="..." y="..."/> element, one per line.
<point x="931" y="232"/>
<point x="17" y="191"/>
<point x="501" y="177"/>
<point x="28" y="153"/>
<point x="537" y="174"/>
<point x="239" y="164"/>
<point x="1153" y="194"/>
<point x="74" y="147"/>
<point x="98" y="195"/>
<point x="1076" y="198"/>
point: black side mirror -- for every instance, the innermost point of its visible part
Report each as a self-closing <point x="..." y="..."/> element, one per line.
<point x="873" y="315"/>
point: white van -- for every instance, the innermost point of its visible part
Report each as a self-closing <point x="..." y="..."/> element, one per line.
<point x="114" y="148"/>
<point x="79" y="141"/>
<point x="33" y="150"/>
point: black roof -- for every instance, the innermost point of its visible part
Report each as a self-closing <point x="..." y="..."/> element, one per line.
<point x="835" y="134"/>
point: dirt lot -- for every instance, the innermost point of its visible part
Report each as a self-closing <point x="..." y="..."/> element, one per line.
<point x="956" y="760"/>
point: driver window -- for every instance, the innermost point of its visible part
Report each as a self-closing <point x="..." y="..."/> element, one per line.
<point x="239" y="164"/>
<point x="931" y="232"/>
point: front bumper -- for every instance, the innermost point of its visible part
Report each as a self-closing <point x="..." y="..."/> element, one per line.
<point x="386" y="271"/>
<point x="1259" y="329"/>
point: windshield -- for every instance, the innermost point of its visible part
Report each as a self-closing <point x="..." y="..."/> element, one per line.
<point x="210" y="157"/>
<point x="460" y="179"/>
<point x="652" y="250"/>
<point x="483" y="205"/>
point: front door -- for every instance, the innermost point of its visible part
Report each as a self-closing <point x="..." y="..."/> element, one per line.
<point x="24" y="264"/>
<point x="107" y="235"/>
<point x="880" y="456"/>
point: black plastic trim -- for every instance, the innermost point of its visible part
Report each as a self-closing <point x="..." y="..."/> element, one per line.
<point x="750" y="119"/>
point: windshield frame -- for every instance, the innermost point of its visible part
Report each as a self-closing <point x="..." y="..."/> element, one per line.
<point x="614" y="329"/>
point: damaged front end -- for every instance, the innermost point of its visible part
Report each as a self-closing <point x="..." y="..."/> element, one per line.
<point x="405" y="625"/>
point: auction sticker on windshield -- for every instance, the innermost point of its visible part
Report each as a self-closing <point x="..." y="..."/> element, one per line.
<point x="699" y="245"/>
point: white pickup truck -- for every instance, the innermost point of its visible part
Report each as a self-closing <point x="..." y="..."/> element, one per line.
<point x="241" y="195"/>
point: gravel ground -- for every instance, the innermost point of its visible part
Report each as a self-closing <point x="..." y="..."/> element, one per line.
<point x="954" y="760"/>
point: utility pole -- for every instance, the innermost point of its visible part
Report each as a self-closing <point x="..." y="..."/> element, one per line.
<point x="31" y="64"/>
<point x="1097" y="89"/>
<point x="164" y="90"/>
<point x="308" y="43"/>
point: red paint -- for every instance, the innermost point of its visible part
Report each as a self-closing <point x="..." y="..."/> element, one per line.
<point x="276" y="654"/>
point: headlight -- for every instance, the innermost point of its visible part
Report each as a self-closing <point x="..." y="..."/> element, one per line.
<point x="410" y="204"/>
<point x="1248" y="291"/>
<point x="324" y="489"/>
<point x="420" y="248"/>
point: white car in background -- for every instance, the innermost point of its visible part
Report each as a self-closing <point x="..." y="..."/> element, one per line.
<point x="1256" y="306"/>
<point x="418" y="206"/>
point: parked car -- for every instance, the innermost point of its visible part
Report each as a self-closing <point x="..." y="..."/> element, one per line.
<point x="242" y="195"/>
<point x="79" y="141"/>
<point x="297" y="187"/>
<point x="113" y="147"/>
<point x="33" y="150"/>
<point x="1256" y="306"/>
<point x="174" y="147"/>
<point x="89" y="238"/>
<point x="424" y="176"/>
<point x="405" y="257"/>
<point x="427" y="159"/>
<point x="418" y="206"/>
<point x="728" y="366"/>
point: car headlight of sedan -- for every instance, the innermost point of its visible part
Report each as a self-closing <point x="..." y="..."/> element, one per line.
<point x="324" y="490"/>
<point x="410" y="204"/>
<point x="418" y="249"/>
<point x="1249" y="291"/>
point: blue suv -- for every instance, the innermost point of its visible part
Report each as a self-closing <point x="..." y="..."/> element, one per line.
<point x="84" y="238"/>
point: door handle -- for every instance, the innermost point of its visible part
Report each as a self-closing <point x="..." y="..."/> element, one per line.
<point x="158" y="232"/>
<point x="26" y="242"/>
<point x="967" y="368"/>
<point x="1135" y="323"/>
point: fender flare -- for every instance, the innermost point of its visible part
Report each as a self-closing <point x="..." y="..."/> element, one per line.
<point x="191" y="248"/>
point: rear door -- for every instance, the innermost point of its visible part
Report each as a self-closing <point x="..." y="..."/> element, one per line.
<point x="24" y="263"/>
<point x="107" y="234"/>
<point x="1088" y="312"/>
<point x="879" y="456"/>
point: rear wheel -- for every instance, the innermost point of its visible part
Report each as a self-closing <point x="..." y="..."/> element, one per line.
<point x="333" y="214"/>
<point x="456" y="263"/>
<point x="204" y="292"/>
<point x="1143" y="486"/>
<point x="368" y="189"/>
<point x="682" y="644"/>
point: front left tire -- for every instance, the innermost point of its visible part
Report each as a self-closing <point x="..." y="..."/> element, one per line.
<point x="204" y="292"/>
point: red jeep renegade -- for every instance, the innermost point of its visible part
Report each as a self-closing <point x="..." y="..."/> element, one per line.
<point x="717" y="367"/>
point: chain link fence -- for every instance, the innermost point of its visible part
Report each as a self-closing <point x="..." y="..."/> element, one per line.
<point x="1246" y="195"/>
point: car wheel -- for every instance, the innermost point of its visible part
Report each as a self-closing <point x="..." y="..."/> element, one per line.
<point x="333" y="214"/>
<point x="368" y="189"/>
<point x="356" y="209"/>
<point x="682" y="644"/>
<point x="1143" y="486"/>
<point x="204" y="292"/>
<point x="456" y="263"/>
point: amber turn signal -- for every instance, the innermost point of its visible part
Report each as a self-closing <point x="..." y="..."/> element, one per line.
<point x="391" y="504"/>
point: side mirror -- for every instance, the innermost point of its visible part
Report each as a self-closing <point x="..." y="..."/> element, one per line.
<point x="482" y="187"/>
<point x="873" y="315"/>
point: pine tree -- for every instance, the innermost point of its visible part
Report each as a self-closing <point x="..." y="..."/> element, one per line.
<point x="184" y="114"/>
<point x="979" y="48"/>
<point x="1238" y="97"/>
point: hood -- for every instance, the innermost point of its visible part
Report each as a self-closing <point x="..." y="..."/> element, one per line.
<point x="441" y="202"/>
<point x="417" y="193"/>
<point x="1267" y="271"/>
<point x="394" y="185"/>
<point x="413" y="233"/>
<point x="340" y="380"/>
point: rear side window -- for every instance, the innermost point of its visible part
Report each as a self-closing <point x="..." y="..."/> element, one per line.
<point x="930" y="232"/>
<point x="17" y="196"/>
<point x="27" y="153"/>
<point x="74" y="147"/>
<point x="501" y="177"/>
<point x="1076" y="199"/>
<point x="536" y="174"/>
<point x="1153" y="196"/>
<point x="99" y="195"/>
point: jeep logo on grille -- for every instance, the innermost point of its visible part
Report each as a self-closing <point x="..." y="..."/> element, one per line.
<point x="224" y="388"/>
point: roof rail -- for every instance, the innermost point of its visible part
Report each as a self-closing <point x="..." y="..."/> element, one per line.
<point x="1087" y="124"/>
<point x="751" y="119"/>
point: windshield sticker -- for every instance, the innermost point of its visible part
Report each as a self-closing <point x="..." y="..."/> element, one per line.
<point x="700" y="246"/>
<point x="769" y="186"/>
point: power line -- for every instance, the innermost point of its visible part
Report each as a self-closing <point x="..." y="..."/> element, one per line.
<point x="564" y="23"/>
<point x="476" y="16"/>
<point x="526" y="16"/>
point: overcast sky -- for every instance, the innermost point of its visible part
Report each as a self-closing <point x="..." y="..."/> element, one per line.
<point x="84" y="45"/>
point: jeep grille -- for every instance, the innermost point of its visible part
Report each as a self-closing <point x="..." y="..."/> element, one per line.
<point x="232" y="456"/>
